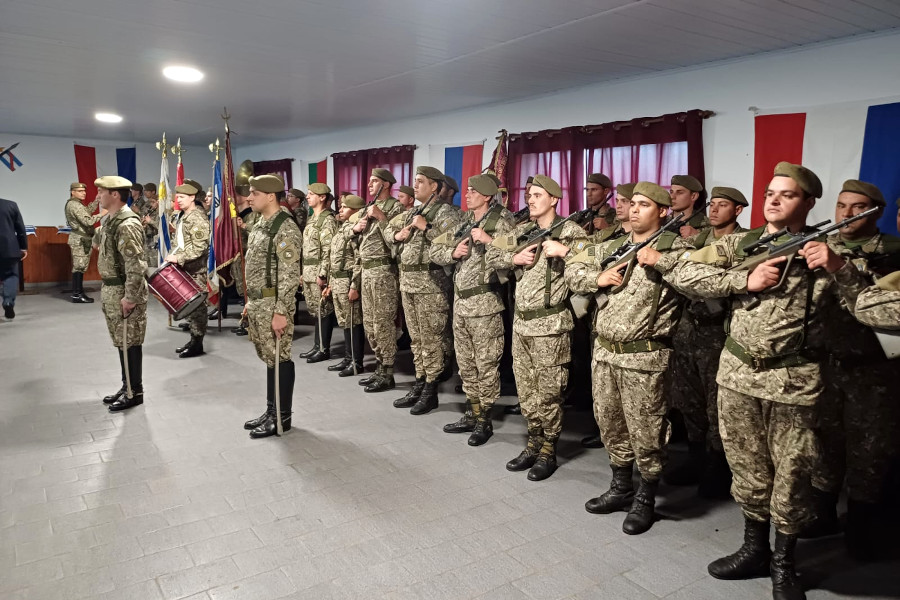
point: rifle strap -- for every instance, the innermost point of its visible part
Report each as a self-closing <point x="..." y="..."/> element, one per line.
<point x="663" y="244"/>
<point x="548" y="277"/>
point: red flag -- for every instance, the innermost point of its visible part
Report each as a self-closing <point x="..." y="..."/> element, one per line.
<point x="179" y="173"/>
<point x="498" y="160"/>
<point x="227" y="239"/>
<point x="86" y="165"/>
<point x="778" y="138"/>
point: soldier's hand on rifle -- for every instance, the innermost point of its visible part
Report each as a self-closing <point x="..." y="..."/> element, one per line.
<point x="376" y="213"/>
<point x="555" y="249"/>
<point x="320" y="281"/>
<point x="525" y="258"/>
<point x="648" y="257"/>
<point x="687" y="231"/>
<point x="611" y="277"/>
<point x="600" y="223"/>
<point x="419" y="223"/>
<point x="462" y="249"/>
<point x="480" y="236"/>
<point x="765" y="275"/>
<point x="353" y="295"/>
<point x="361" y="225"/>
<point x="818" y="254"/>
<point x="279" y="324"/>
<point x="402" y="235"/>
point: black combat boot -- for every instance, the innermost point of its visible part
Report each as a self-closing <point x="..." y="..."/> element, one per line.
<point x="465" y="424"/>
<point x="136" y="371"/>
<point x="270" y="401"/>
<point x="373" y="377"/>
<point x="348" y="351"/>
<point x="751" y="560"/>
<point x="690" y="472"/>
<point x="619" y="496"/>
<point x="826" y="522"/>
<point x="315" y="347"/>
<point x="484" y="428"/>
<point x="286" y="400"/>
<point x="545" y="465"/>
<point x="528" y="456"/>
<point x="412" y="396"/>
<point x="592" y="441"/>
<point x="640" y="517"/>
<point x="184" y="326"/>
<point x="121" y="393"/>
<point x="383" y="382"/>
<point x="194" y="347"/>
<point x="428" y="400"/>
<point x="785" y="584"/>
<point x="715" y="483"/>
<point x="240" y="330"/>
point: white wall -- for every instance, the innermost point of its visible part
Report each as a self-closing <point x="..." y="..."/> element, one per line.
<point x="852" y="70"/>
<point x="41" y="185"/>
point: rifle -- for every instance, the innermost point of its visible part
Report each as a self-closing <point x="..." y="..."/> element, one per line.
<point x="412" y="214"/>
<point x="521" y="216"/>
<point x="536" y="237"/>
<point x="365" y="209"/>
<point x="465" y="230"/>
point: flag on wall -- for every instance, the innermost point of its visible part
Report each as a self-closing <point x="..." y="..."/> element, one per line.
<point x="318" y="172"/>
<point x="460" y="163"/>
<point x="93" y="162"/>
<point x="838" y="142"/>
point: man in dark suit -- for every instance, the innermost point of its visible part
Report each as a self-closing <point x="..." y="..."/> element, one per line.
<point x="13" y="249"/>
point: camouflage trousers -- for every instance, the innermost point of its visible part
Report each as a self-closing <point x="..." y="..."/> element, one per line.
<point x="540" y="364"/>
<point x="380" y="295"/>
<point x="259" y="329"/>
<point x="314" y="302"/>
<point x="426" y="318"/>
<point x="479" y="346"/>
<point x="237" y="273"/>
<point x="342" y="305"/>
<point x="199" y="319"/>
<point x="110" y="299"/>
<point x="630" y="409"/>
<point x="81" y="257"/>
<point x="770" y="447"/>
<point x="858" y="430"/>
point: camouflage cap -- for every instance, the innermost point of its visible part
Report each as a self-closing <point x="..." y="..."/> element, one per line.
<point x="384" y="175"/>
<point x="352" y="201"/>
<point x="430" y="172"/>
<point x="865" y="188"/>
<point x="297" y="193"/>
<point x="407" y="190"/>
<point x="544" y="182"/>
<point x="451" y="183"/>
<point x="729" y="193"/>
<point x="686" y="181"/>
<point x="267" y="184"/>
<point x="600" y="179"/>
<point x="807" y="180"/>
<point x="77" y="185"/>
<point x="655" y="192"/>
<point x="242" y="190"/>
<point x="625" y="189"/>
<point x="483" y="184"/>
<point x="319" y="188"/>
<point x="112" y="182"/>
<point x="187" y="188"/>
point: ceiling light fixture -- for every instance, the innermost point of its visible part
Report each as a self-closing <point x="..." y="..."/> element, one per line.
<point x="183" y="74"/>
<point x="105" y="117"/>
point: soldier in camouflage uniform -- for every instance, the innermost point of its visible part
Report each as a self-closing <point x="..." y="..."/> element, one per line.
<point x="317" y="236"/>
<point x="246" y="219"/>
<point x="877" y="305"/>
<point x="380" y="284"/>
<point x="687" y="195"/>
<point x="138" y="202"/>
<point x="769" y="378"/>
<point x="698" y="342"/>
<point x="273" y="274"/>
<point x="296" y="200"/>
<point x="124" y="290"/>
<point x="191" y="252"/>
<point x="859" y="412"/>
<point x="599" y="189"/>
<point x="540" y="345"/>
<point x="424" y="287"/>
<point x="150" y="221"/>
<point x="344" y="284"/>
<point x="478" y="305"/>
<point x="81" y="222"/>
<point x="634" y="324"/>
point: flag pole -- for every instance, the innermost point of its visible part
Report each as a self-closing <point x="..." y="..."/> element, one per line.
<point x="215" y="148"/>
<point x="228" y="186"/>
<point x="165" y="210"/>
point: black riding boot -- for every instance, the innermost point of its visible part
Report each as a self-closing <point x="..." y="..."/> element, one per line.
<point x="315" y="347"/>
<point x="270" y="401"/>
<point x="135" y="370"/>
<point x="286" y="401"/>
<point x="121" y="393"/>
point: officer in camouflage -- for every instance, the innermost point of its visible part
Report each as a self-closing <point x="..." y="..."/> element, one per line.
<point x="273" y="274"/>
<point x="344" y="284"/>
<point x="769" y="377"/>
<point x="123" y="294"/>
<point x="477" y="305"/>
<point x="81" y="222"/>
<point x="541" y="326"/>
<point x="317" y="236"/>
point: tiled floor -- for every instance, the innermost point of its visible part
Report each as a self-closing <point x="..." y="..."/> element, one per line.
<point x="359" y="500"/>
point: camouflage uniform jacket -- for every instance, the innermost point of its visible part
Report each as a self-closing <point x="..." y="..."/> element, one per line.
<point x="610" y="233"/>
<point x="151" y="229"/>
<point x="317" y="245"/>
<point x="121" y="257"/>
<point x="284" y="262"/>
<point x="139" y="206"/>
<point x="301" y="214"/>
<point x="711" y="309"/>
<point x="376" y="242"/>
<point x="80" y="219"/>
<point x="877" y="305"/>
<point x="543" y="286"/>
<point x="249" y="218"/>
<point x="474" y="271"/>
<point x="194" y="234"/>
<point x="416" y="272"/>
<point x="786" y="321"/>
<point x="345" y="256"/>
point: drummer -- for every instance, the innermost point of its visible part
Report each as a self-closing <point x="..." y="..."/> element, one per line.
<point x="191" y="254"/>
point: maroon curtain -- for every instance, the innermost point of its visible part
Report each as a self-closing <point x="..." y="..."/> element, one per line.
<point x="352" y="169"/>
<point x="284" y="168"/>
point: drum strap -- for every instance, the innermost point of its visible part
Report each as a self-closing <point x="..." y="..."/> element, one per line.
<point x="280" y="218"/>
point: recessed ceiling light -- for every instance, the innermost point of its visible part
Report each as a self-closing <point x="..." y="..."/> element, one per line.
<point x="105" y="117"/>
<point x="183" y="74"/>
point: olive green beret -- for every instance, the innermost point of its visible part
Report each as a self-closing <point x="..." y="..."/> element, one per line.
<point x="483" y="184"/>
<point x="296" y="193"/>
<point x="137" y="187"/>
<point x="430" y="172"/>
<point x="625" y="189"/>
<point x="451" y="183"/>
<point x="242" y="190"/>
<point x="319" y="188"/>
<point x="112" y="182"/>
<point x="544" y="182"/>
<point x="196" y="184"/>
<point x="186" y="188"/>
<point x="655" y="192"/>
<point x="77" y="186"/>
<point x="493" y="177"/>
<point x="729" y="193"/>
<point x="807" y="180"/>
<point x="407" y="190"/>
<point x="267" y="184"/>
<point x="384" y="174"/>
<point x="352" y="201"/>
<point x="686" y="181"/>
<point x="866" y="189"/>
<point x="600" y="179"/>
<point x="530" y="180"/>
